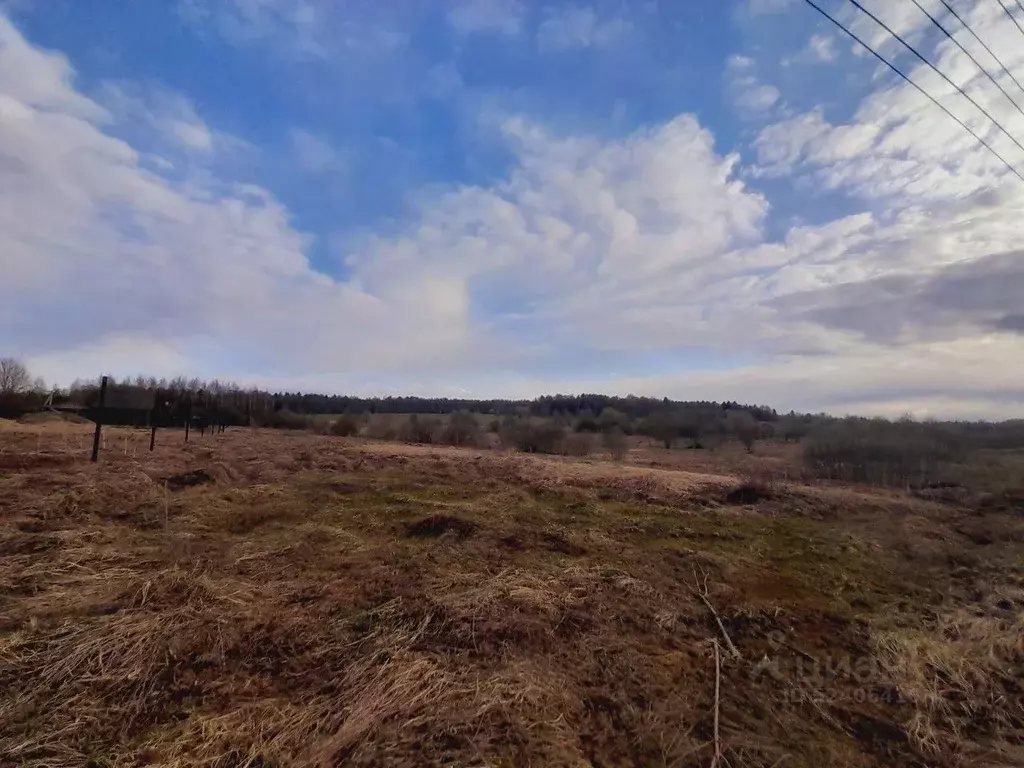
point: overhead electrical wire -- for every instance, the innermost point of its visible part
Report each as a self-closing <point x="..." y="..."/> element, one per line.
<point x="937" y="71"/>
<point x="899" y="72"/>
<point x="984" y="45"/>
<point x="968" y="54"/>
<point x="1010" y="14"/>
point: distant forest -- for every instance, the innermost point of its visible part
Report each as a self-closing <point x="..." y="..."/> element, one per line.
<point x="136" y="392"/>
<point x="901" y="453"/>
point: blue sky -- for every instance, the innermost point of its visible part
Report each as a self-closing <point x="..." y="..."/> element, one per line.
<point x="507" y="198"/>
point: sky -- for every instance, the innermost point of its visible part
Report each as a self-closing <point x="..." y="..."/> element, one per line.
<point x="709" y="199"/>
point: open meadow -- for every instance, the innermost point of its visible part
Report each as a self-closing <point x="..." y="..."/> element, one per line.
<point x="272" y="598"/>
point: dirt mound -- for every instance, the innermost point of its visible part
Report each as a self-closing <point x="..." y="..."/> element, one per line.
<point x="749" y="493"/>
<point x="189" y="479"/>
<point x="438" y="525"/>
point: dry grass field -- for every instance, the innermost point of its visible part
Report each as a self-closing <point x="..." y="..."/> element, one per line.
<point x="264" y="598"/>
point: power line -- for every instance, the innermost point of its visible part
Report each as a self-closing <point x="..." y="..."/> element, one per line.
<point x="937" y="71"/>
<point x="984" y="45"/>
<point x="899" y="72"/>
<point x="1012" y="17"/>
<point x="968" y="54"/>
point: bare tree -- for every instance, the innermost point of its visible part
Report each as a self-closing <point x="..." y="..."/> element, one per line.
<point x="615" y="442"/>
<point x="662" y="425"/>
<point x="744" y="426"/>
<point x="14" y="376"/>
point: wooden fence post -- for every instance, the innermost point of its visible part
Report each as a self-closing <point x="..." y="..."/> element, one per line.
<point x="99" y="420"/>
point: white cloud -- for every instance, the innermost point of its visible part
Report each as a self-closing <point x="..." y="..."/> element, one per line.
<point x="306" y="30"/>
<point x="905" y="19"/>
<point x="899" y="145"/>
<point x="582" y="229"/>
<point x="250" y="21"/>
<point x="97" y="249"/>
<point x="38" y="80"/>
<point x="750" y="96"/>
<point x="576" y="26"/>
<point x="648" y="244"/>
<point x="151" y="111"/>
<point x="194" y="135"/>
<point x="762" y="7"/>
<point x="976" y="378"/>
<point x="822" y="48"/>
<point x="315" y="154"/>
<point x="495" y="16"/>
<point x="120" y="355"/>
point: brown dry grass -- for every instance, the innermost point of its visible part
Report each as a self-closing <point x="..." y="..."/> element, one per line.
<point x="262" y="598"/>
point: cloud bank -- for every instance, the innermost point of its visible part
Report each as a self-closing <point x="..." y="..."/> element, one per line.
<point x="126" y="248"/>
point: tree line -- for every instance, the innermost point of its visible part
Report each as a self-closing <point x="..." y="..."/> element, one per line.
<point x="850" y="449"/>
<point x="669" y="419"/>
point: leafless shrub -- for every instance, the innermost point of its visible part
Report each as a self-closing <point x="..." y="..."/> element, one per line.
<point x="615" y="441"/>
<point x="577" y="444"/>
<point x="461" y="429"/>
<point x="879" y="452"/>
<point x="420" y="429"/>
<point x="345" y="426"/>
<point x="533" y="435"/>
<point x="285" y="419"/>
<point x="744" y="426"/>
<point x="382" y="427"/>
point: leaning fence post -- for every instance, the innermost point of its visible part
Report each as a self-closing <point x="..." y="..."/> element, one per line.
<point x="99" y="420"/>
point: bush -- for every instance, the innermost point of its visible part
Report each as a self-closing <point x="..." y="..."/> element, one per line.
<point x="663" y="426"/>
<point x="462" y="429"/>
<point x="881" y="453"/>
<point x="793" y="429"/>
<point x="610" y="419"/>
<point x="420" y="429"/>
<point x="533" y="435"/>
<point x="577" y="444"/>
<point x="382" y="427"/>
<point x="744" y="426"/>
<point x="285" y="419"/>
<point x="615" y="442"/>
<point x="690" y="430"/>
<point x="346" y="426"/>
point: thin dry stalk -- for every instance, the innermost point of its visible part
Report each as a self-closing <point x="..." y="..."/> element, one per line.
<point x="701" y="590"/>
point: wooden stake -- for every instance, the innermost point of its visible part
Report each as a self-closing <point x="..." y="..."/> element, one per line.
<point x="99" y="420"/>
<point x="718" y="685"/>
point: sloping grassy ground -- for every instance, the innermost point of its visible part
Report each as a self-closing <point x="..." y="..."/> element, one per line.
<point x="265" y="599"/>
